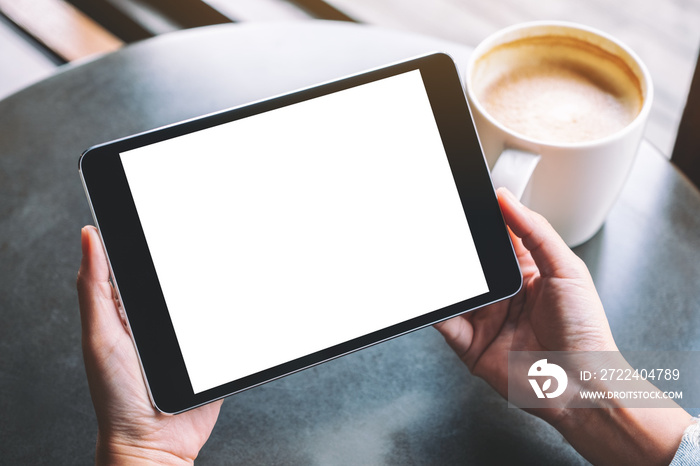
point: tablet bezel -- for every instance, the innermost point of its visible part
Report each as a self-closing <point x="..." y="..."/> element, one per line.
<point x="134" y="275"/>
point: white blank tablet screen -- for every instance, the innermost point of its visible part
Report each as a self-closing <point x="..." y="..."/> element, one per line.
<point x="290" y="231"/>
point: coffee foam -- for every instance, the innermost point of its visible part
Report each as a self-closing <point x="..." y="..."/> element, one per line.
<point x="557" y="89"/>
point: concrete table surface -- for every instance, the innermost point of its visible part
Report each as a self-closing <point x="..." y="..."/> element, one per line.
<point x="407" y="401"/>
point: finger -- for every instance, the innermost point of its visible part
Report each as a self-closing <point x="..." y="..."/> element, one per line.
<point x="549" y="251"/>
<point x="521" y="252"/>
<point x="458" y="332"/>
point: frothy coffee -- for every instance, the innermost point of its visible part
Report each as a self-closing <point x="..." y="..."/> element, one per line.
<point x="557" y="89"/>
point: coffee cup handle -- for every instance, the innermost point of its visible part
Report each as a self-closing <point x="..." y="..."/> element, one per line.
<point x="513" y="170"/>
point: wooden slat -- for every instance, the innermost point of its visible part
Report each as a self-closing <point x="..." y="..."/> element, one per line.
<point x="60" y="27"/>
<point x="323" y="10"/>
<point x="188" y="13"/>
<point x="260" y="10"/>
<point x="135" y="14"/>
<point x="114" y="19"/>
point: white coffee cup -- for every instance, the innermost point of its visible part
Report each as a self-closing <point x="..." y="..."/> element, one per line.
<point x="569" y="156"/>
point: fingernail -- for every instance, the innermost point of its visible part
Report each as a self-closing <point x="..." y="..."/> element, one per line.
<point x="84" y="239"/>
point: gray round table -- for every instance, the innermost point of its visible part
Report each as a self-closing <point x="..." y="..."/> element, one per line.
<point x="407" y="401"/>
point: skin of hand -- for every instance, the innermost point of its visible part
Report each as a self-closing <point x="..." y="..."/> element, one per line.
<point x="130" y="429"/>
<point x="558" y="309"/>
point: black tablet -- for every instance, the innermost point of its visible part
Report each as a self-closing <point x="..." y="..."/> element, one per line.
<point x="255" y="242"/>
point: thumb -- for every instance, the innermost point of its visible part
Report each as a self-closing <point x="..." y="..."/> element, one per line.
<point x="458" y="332"/>
<point x="549" y="251"/>
<point x="98" y="309"/>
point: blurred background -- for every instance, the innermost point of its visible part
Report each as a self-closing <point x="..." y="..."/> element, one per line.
<point x="37" y="37"/>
